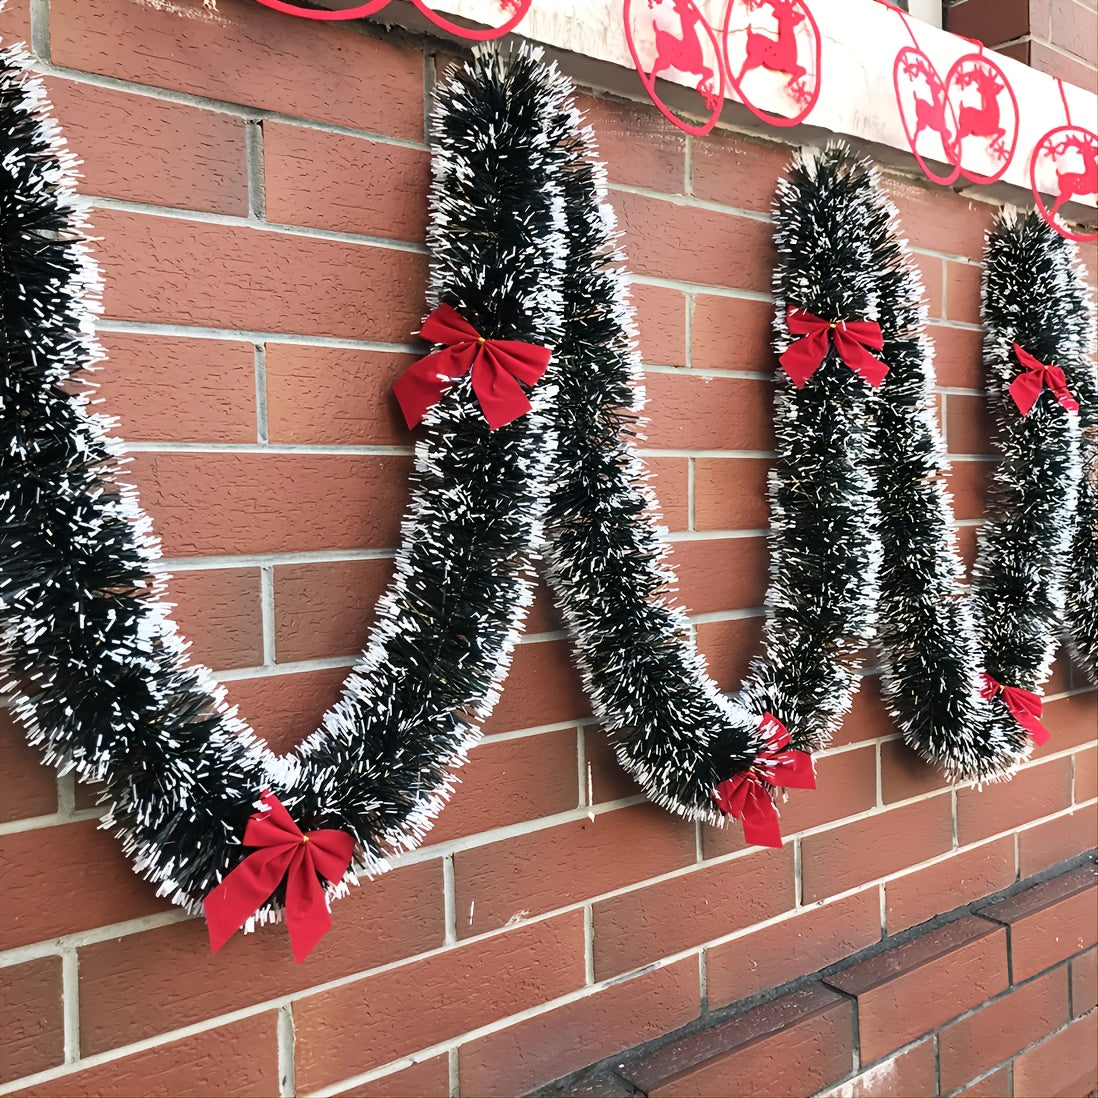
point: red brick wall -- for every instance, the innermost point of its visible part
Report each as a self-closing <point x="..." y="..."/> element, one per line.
<point x="1059" y="37"/>
<point x="258" y="188"/>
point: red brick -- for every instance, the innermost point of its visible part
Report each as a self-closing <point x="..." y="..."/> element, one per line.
<point x="932" y="272"/>
<point x="245" y="53"/>
<point x="427" y="1079"/>
<point x="218" y="611"/>
<point x="435" y="999"/>
<point x="708" y="413"/>
<point x="730" y="493"/>
<point x="165" y="154"/>
<point x="994" y="1085"/>
<point x="1049" y="922"/>
<point x="45" y="868"/>
<point x="334" y="396"/>
<point x="968" y="424"/>
<point x="173" y="389"/>
<point x="990" y="21"/>
<point x="794" y="1045"/>
<point x="1073" y="721"/>
<point x="912" y="989"/>
<point x="605" y="777"/>
<point x="1086" y="776"/>
<point x="1056" y="841"/>
<point x="31" y="1017"/>
<point x="939" y="220"/>
<point x="807" y="942"/>
<point x="135" y="987"/>
<point x="1084" y="983"/>
<point x="237" y="1059"/>
<point x="729" y="647"/>
<point x="967" y="483"/>
<point x="908" y="1072"/>
<point x="368" y="187"/>
<point x="1062" y="1065"/>
<point x="534" y="1051"/>
<point x="722" y="574"/>
<point x="1075" y="29"/>
<point x="846" y="784"/>
<point x="969" y="1047"/>
<point x="965" y="876"/>
<point x="510" y="781"/>
<point x="854" y="853"/>
<point x="15" y="23"/>
<point x="293" y="502"/>
<point x="639" y="147"/>
<point x="962" y="291"/>
<point x="1038" y="789"/>
<point x="958" y="360"/>
<point x="542" y="687"/>
<point x="175" y="271"/>
<point x="734" y="171"/>
<point x="732" y="333"/>
<point x="28" y="787"/>
<point x="284" y="709"/>
<point x="904" y="774"/>
<point x="868" y="718"/>
<point x="637" y="928"/>
<point x="661" y="324"/>
<point x="670" y="480"/>
<point x="326" y="608"/>
<point x="1062" y="67"/>
<point x="727" y="250"/>
<point x="526" y="875"/>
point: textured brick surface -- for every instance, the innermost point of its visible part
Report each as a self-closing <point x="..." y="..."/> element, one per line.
<point x="31" y="1018"/>
<point x="912" y="989"/>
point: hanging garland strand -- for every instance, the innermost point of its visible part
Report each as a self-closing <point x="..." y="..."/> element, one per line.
<point x="97" y="670"/>
<point x="1034" y="317"/>
<point x="926" y="633"/>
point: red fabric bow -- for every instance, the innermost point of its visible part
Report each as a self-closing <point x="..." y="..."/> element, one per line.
<point x="1024" y="706"/>
<point x="746" y="796"/>
<point x="284" y="851"/>
<point x="1027" y="386"/>
<point x="853" y="339"/>
<point x="498" y="366"/>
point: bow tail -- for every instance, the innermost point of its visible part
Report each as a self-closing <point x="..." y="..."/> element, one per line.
<point x="421" y="386"/>
<point x="243" y="891"/>
<point x="802" y="359"/>
<point x="761" y="825"/>
<point x="308" y="916"/>
<point x="500" y="396"/>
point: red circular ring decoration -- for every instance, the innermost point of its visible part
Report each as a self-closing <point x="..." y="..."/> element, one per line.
<point x="766" y="116"/>
<point x="650" y="84"/>
<point x="468" y="33"/>
<point x="312" y="13"/>
<point x="956" y="151"/>
<point x="934" y="177"/>
<point x="1042" y="207"/>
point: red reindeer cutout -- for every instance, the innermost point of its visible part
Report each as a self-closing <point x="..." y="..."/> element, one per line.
<point x="684" y="53"/>
<point x="777" y="54"/>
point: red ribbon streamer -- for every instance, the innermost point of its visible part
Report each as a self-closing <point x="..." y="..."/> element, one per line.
<point x="853" y="340"/>
<point x="1024" y="706"/>
<point x="1027" y="386"/>
<point x="284" y="851"/>
<point x="746" y="796"/>
<point x="498" y="366"/>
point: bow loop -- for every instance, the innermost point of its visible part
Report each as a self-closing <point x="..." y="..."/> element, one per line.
<point x="746" y="796"/>
<point x="852" y="339"/>
<point x="1023" y="705"/>
<point x="1035" y="375"/>
<point x="497" y="365"/>
<point x="282" y="851"/>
